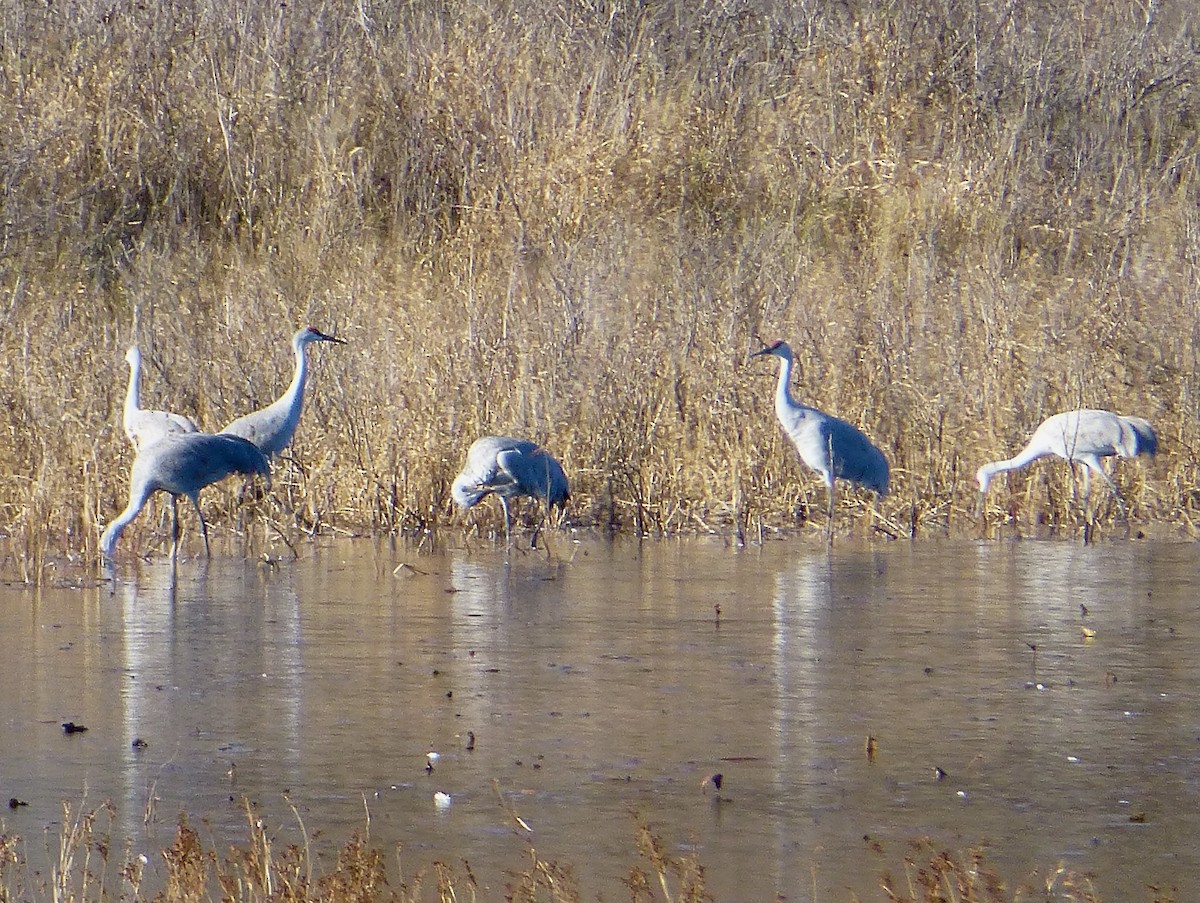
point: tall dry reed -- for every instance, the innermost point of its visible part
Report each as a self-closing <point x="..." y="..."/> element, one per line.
<point x="573" y="221"/>
<point x="87" y="868"/>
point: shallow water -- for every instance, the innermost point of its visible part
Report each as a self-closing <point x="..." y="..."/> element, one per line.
<point x="607" y="684"/>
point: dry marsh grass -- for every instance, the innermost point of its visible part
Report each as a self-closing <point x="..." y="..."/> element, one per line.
<point x="89" y="865"/>
<point x="572" y="221"/>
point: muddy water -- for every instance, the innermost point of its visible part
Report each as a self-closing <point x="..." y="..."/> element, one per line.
<point x="608" y="685"/>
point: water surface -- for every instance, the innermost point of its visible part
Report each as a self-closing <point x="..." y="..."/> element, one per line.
<point x="609" y="683"/>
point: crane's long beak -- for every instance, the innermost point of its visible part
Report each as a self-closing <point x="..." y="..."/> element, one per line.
<point x="329" y="338"/>
<point x="766" y="349"/>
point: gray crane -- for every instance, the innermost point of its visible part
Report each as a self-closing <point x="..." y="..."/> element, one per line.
<point x="837" y="450"/>
<point x="1084" y="437"/>
<point x="272" y="428"/>
<point x="183" y="464"/>
<point x="145" y="426"/>
<point x="509" y="468"/>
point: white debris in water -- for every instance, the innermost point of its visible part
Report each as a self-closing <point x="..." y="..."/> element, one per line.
<point x="433" y="756"/>
<point x="441" y="800"/>
<point x="1073" y="759"/>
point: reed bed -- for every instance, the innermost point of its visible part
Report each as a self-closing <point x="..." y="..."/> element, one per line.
<point x="573" y="221"/>
<point x="89" y="865"/>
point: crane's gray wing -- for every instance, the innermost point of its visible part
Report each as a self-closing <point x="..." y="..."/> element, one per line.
<point x="185" y="463"/>
<point x="265" y="428"/>
<point x="535" y="472"/>
<point x="856" y="458"/>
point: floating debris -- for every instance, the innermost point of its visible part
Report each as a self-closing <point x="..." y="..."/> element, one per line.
<point x="871" y="748"/>
<point x="470" y="740"/>
<point x="139" y="743"/>
<point x="939" y="773"/>
<point x="1088" y="633"/>
<point x="714" y="779"/>
<point x="70" y="727"/>
<point x="441" y="800"/>
<point x="14" y="803"/>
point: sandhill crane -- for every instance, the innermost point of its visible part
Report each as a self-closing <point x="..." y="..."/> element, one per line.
<point x="832" y="447"/>
<point x="183" y="464"/>
<point x="509" y="468"/>
<point x="143" y="426"/>
<point x="1083" y="437"/>
<point x="271" y="428"/>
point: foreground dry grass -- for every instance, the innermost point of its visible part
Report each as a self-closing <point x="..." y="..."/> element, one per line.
<point x="88" y="869"/>
<point x="573" y="220"/>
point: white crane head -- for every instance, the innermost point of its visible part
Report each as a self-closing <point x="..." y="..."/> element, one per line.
<point x="983" y="477"/>
<point x="133" y="356"/>
<point x="312" y="334"/>
<point x="780" y="349"/>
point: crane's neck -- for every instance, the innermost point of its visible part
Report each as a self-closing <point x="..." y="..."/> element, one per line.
<point x="988" y="471"/>
<point x="783" y="392"/>
<point x="294" y="395"/>
<point x="133" y="393"/>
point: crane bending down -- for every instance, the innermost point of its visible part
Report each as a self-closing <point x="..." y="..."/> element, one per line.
<point x="142" y="426"/>
<point x="183" y="464"/>
<point x="832" y="447"/>
<point x="510" y="468"/>
<point x="272" y="428"/>
<point x="1083" y="437"/>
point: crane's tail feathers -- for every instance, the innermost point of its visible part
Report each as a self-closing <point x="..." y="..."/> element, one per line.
<point x="1147" y="441"/>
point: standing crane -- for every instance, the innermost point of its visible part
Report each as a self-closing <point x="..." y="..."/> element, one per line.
<point x="272" y="428"/>
<point x="183" y="464"/>
<point x="143" y="426"/>
<point x="510" y="468"/>
<point x="1082" y="437"/>
<point x="833" y="448"/>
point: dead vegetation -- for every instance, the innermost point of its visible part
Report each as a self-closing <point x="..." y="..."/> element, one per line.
<point x="89" y="867"/>
<point x="573" y="221"/>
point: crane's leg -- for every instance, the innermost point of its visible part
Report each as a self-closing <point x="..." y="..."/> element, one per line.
<point x="1089" y="518"/>
<point x="1098" y="468"/>
<point x="541" y="523"/>
<point x="507" y="522"/>
<point x="195" y="497"/>
<point x="174" y="526"/>
<point x="829" y="519"/>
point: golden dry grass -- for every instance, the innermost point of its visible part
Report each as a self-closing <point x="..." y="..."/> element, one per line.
<point x="89" y="866"/>
<point x="572" y="221"/>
